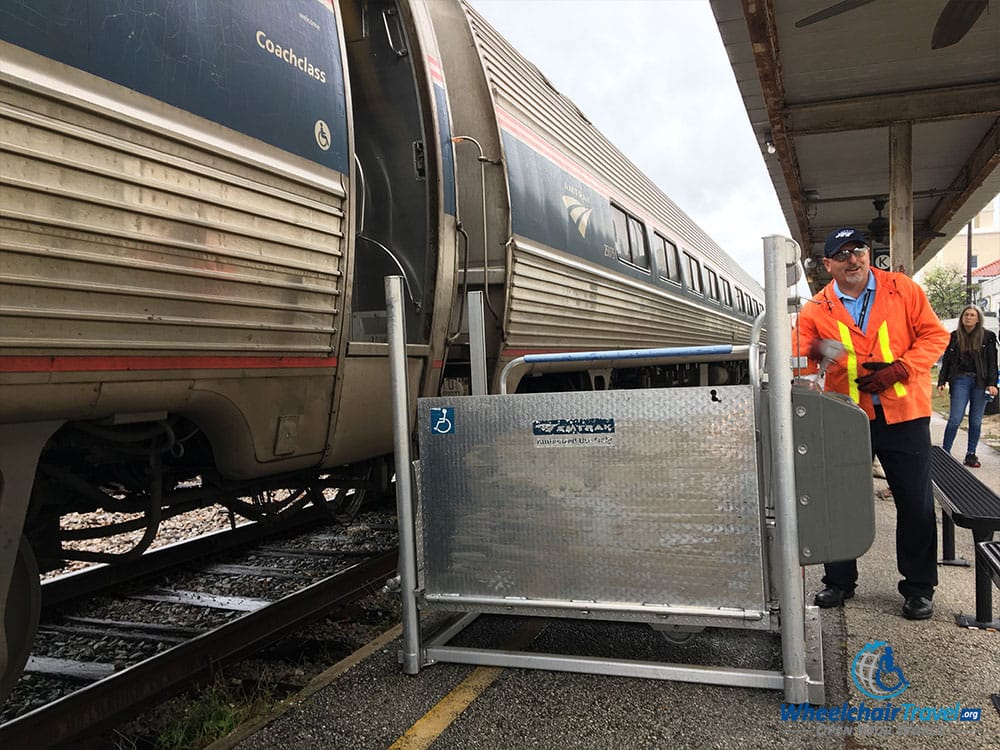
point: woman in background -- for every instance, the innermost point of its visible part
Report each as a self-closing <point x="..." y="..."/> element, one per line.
<point x="969" y="367"/>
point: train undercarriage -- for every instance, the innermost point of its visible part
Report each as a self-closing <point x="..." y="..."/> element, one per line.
<point x="129" y="479"/>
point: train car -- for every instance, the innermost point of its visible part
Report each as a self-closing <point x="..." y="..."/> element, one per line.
<point x="200" y="202"/>
<point x="582" y="250"/>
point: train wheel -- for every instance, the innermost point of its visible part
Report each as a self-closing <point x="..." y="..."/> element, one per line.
<point x="351" y="502"/>
<point x="375" y="475"/>
<point x="21" y="616"/>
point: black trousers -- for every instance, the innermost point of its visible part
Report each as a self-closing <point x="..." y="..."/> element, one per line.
<point x="904" y="450"/>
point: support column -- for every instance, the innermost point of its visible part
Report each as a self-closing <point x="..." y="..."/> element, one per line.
<point x="901" y="197"/>
<point x="477" y="342"/>
<point x="780" y="254"/>
<point x="399" y="379"/>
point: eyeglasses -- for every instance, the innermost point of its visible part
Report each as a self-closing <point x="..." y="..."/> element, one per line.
<point x="843" y="255"/>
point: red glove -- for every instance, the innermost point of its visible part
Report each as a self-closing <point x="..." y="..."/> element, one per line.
<point x="881" y="376"/>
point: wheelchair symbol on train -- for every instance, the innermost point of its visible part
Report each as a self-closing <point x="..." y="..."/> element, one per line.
<point x="443" y="420"/>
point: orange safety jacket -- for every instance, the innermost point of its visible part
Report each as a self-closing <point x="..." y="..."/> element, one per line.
<point x="901" y="325"/>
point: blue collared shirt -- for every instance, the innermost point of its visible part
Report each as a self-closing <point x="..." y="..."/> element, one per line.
<point x="861" y="305"/>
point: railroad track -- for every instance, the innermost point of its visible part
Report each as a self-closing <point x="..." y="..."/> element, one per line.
<point x="182" y="623"/>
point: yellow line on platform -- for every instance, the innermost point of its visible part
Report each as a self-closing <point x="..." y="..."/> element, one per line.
<point x="429" y="727"/>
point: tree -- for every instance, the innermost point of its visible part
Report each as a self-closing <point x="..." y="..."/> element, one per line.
<point x="945" y="287"/>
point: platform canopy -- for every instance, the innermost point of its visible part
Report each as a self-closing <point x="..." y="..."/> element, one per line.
<point x="859" y="101"/>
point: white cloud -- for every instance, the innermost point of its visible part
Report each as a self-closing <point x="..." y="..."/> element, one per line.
<point x="654" y="77"/>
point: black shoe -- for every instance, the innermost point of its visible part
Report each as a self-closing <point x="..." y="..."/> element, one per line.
<point x="917" y="608"/>
<point x="972" y="460"/>
<point x="831" y="596"/>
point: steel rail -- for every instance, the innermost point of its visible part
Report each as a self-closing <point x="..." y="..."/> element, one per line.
<point x="114" y="699"/>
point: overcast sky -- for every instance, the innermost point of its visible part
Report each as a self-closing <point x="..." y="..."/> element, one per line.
<point x="653" y="76"/>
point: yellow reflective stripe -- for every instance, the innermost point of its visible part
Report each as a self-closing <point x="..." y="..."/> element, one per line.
<point x="887" y="356"/>
<point x="852" y="362"/>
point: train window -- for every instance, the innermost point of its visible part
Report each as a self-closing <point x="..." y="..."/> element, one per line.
<point x="694" y="273"/>
<point x="621" y="233"/>
<point x="673" y="262"/>
<point x="740" y="304"/>
<point x="727" y="293"/>
<point x="630" y="239"/>
<point x="637" y="238"/>
<point x="713" y="283"/>
<point x="666" y="258"/>
<point x="660" y="255"/>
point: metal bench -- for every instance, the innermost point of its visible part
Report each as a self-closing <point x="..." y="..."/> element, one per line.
<point x="990" y="552"/>
<point x="968" y="503"/>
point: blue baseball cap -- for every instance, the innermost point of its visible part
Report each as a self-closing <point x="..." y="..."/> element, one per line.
<point x="840" y="237"/>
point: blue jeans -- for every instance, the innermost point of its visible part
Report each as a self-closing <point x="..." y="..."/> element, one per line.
<point x="965" y="392"/>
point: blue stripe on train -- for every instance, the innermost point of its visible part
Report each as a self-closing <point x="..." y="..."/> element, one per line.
<point x="447" y="150"/>
<point x="270" y="70"/>
<point x="551" y="206"/>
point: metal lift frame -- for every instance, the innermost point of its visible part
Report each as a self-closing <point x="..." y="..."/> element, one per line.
<point x="801" y="642"/>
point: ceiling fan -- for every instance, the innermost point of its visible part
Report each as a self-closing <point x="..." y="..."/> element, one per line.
<point x="957" y="17"/>
<point x="878" y="228"/>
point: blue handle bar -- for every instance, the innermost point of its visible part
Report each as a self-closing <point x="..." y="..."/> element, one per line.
<point x="682" y="351"/>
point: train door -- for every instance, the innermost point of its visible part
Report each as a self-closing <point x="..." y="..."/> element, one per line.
<point x="397" y="209"/>
<point x="393" y="161"/>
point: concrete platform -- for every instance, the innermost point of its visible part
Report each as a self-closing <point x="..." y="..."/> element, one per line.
<point x="368" y="702"/>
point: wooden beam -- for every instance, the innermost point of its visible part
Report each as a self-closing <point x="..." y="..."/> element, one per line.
<point x="921" y="230"/>
<point x="880" y="110"/>
<point x="985" y="158"/>
<point x="763" y="32"/>
<point x="901" y="197"/>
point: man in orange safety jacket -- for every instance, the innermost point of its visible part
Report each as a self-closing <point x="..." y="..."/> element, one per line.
<point x="892" y="337"/>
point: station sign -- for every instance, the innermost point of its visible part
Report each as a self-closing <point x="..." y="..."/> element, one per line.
<point x="880" y="258"/>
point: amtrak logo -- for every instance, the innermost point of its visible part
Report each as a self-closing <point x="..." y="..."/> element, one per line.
<point x="875" y="673"/>
<point x="579" y="213"/>
<point x="845" y="233"/>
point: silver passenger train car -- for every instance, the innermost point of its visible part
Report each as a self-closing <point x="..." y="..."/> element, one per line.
<point x="200" y="202"/>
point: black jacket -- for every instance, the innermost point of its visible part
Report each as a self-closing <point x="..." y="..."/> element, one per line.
<point x="986" y="360"/>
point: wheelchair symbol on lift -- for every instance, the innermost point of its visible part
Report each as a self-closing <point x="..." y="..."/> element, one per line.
<point x="443" y="420"/>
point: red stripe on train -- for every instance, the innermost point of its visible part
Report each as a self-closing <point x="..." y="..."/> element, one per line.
<point x="105" y="364"/>
<point x="434" y="65"/>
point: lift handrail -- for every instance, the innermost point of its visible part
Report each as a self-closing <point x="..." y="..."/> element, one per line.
<point x="669" y="355"/>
